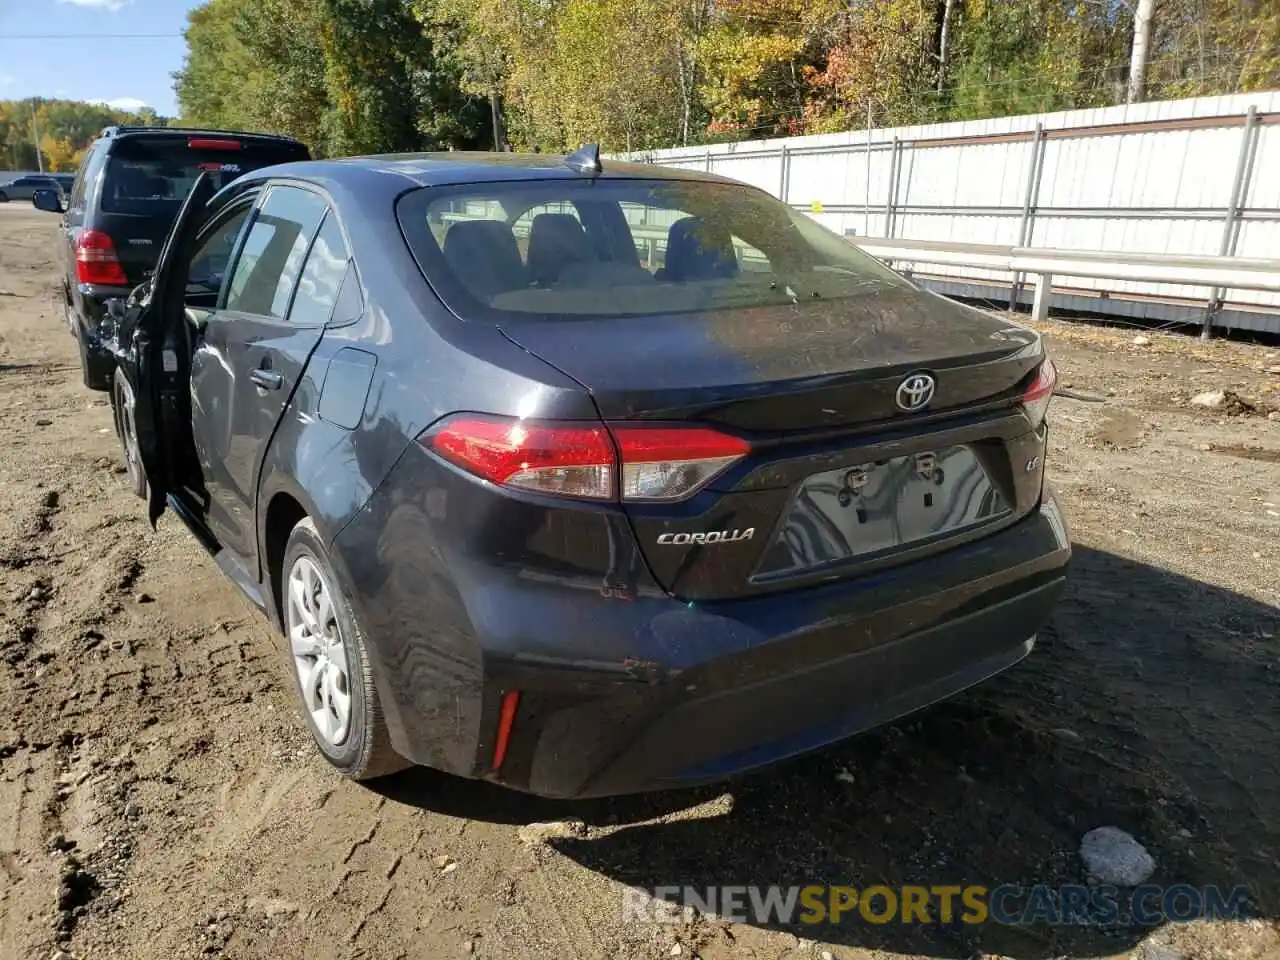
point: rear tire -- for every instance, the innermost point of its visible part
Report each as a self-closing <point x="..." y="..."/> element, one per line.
<point x="122" y="404"/>
<point x="329" y="659"/>
<point x="4" y="197"/>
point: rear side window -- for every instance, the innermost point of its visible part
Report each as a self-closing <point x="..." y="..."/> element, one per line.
<point x="321" y="278"/>
<point x="273" y="252"/>
<point x="150" y="176"/>
<point x="613" y="248"/>
<point x="78" y="183"/>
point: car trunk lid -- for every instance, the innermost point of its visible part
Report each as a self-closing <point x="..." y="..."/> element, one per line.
<point x="840" y="479"/>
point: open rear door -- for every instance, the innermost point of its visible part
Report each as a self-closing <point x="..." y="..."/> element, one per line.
<point x="154" y="360"/>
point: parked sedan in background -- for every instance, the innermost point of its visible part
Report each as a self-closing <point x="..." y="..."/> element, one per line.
<point x="587" y="478"/>
<point x="24" y="188"/>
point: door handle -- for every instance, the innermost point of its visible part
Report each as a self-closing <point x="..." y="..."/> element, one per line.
<point x="266" y="379"/>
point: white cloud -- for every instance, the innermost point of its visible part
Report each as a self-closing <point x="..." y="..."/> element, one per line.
<point x="112" y="5"/>
<point x="132" y="104"/>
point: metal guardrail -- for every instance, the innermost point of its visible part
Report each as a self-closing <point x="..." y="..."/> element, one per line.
<point x="1224" y="273"/>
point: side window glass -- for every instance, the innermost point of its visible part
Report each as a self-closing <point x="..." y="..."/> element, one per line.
<point x="208" y="266"/>
<point x="82" y="177"/>
<point x="267" y="270"/>
<point x="77" y="188"/>
<point x="321" y="278"/>
<point x="92" y="169"/>
<point x="350" y="303"/>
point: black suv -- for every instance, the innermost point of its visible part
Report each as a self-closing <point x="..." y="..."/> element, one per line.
<point x="120" y="208"/>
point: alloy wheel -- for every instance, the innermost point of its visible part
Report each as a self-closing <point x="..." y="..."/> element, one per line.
<point x="319" y="652"/>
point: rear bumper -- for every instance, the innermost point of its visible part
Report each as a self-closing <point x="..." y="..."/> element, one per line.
<point x="651" y="693"/>
<point x="89" y="301"/>
<point x="88" y="304"/>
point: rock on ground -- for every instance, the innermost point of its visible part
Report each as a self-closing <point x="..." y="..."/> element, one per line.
<point x="1210" y="398"/>
<point x="535" y="833"/>
<point x="1115" y="857"/>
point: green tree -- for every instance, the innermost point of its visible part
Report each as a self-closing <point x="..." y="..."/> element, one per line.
<point x="344" y="76"/>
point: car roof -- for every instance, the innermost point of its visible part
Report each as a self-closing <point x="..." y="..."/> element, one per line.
<point x="404" y="171"/>
<point x="123" y="132"/>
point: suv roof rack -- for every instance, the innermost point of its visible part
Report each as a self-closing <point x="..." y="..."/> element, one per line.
<point x="121" y="130"/>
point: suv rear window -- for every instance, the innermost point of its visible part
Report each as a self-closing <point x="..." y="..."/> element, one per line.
<point x="151" y="176"/>
<point x="613" y="248"/>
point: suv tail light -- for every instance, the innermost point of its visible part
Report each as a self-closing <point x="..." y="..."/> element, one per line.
<point x="96" y="260"/>
<point x="1037" y="396"/>
<point x="586" y="460"/>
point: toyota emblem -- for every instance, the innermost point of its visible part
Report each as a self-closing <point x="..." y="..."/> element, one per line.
<point x="915" y="392"/>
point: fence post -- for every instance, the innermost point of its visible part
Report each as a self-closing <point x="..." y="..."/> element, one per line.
<point x="1231" y="223"/>
<point x="784" y="174"/>
<point x="708" y="161"/>
<point x="866" y="210"/>
<point x="891" y="197"/>
<point x="1040" y="308"/>
<point x="1031" y="195"/>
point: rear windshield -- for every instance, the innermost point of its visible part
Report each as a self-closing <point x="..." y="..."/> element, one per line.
<point x="614" y="248"/>
<point x="152" y="177"/>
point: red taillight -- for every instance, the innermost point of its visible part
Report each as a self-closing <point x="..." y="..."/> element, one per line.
<point x="1037" y="396"/>
<point x="583" y="460"/>
<point x="203" y="143"/>
<point x="96" y="260"/>
<point x="571" y="460"/>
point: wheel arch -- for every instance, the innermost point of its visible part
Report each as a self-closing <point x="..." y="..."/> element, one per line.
<point x="284" y="512"/>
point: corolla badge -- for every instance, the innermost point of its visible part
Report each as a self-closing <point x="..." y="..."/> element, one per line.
<point x="715" y="536"/>
<point x="915" y="391"/>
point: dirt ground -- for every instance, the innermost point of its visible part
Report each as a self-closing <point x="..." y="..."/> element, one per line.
<point x="158" y="798"/>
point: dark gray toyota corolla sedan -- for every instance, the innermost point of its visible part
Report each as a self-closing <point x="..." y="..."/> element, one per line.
<point x="586" y="478"/>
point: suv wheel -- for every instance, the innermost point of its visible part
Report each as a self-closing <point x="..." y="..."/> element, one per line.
<point x="122" y="404"/>
<point x="329" y="656"/>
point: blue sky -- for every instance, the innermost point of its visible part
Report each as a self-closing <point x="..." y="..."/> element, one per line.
<point x="64" y="48"/>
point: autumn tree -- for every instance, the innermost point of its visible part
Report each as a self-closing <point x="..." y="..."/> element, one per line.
<point x="360" y="75"/>
<point x="63" y="128"/>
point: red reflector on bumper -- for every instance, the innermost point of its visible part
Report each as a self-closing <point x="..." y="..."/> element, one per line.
<point x="506" y="720"/>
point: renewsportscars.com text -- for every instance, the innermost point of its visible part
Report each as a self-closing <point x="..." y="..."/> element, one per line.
<point x="1009" y="904"/>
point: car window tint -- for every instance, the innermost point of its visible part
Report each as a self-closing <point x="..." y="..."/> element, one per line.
<point x="563" y="248"/>
<point x="272" y="255"/>
<point x="321" y="278"/>
<point x="152" y="175"/>
<point x="208" y="266"/>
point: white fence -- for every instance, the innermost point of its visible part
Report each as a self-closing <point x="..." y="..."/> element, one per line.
<point x="1194" y="177"/>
